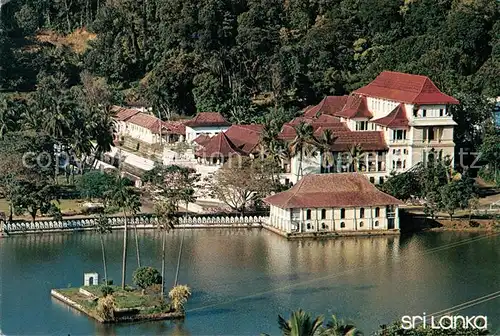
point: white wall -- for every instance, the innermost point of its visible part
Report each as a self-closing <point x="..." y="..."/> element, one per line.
<point x="193" y="132"/>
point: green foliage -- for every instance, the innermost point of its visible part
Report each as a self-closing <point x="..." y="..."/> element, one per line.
<point x="402" y="186"/>
<point x="146" y="276"/>
<point x="107" y="290"/>
<point x="94" y="184"/>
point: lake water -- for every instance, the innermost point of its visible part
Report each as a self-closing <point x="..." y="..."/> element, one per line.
<point x="242" y="279"/>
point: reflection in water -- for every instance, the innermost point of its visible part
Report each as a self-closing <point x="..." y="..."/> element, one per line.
<point x="242" y="279"/>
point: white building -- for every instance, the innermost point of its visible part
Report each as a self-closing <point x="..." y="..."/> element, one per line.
<point x="333" y="203"/>
<point x="145" y="127"/>
<point x="397" y="121"/>
<point x="207" y="123"/>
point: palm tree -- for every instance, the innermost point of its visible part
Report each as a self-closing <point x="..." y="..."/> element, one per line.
<point x="300" y="324"/>
<point x="304" y="143"/>
<point x="355" y="155"/>
<point x="166" y="213"/>
<point x="102" y="227"/>
<point x="125" y="197"/>
<point x="179" y="295"/>
<point x="325" y="143"/>
<point x="336" y="327"/>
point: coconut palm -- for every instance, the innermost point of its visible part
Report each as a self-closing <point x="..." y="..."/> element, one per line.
<point x="126" y="198"/>
<point x="166" y="214"/>
<point x="300" y="324"/>
<point x="7" y="117"/>
<point x="336" y="327"/>
<point x="355" y="156"/>
<point x="102" y="227"/>
<point x="304" y="144"/>
<point x="179" y="296"/>
<point x="325" y="143"/>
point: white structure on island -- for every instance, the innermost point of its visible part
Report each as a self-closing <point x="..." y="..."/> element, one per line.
<point x="205" y="123"/>
<point x="332" y="203"/>
<point x="90" y="279"/>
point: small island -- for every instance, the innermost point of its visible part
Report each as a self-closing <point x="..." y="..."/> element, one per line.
<point x="113" y="304"/>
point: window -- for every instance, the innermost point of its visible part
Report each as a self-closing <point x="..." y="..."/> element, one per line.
<point x="430" y="133"/>
<point x="372" y="179"/>
<point x="424" y="113"/>
<point x="361" y="125"/>
<point x="376" y="223"/>
<point x="380" y="180"/>
<point x="415" y="112"/>
<point x="323" y="226"/>
<point x="361" y="224"/>
<point x="404" y="164"/>
<point x="342" y="213"/>
<point x="323" y="213"/>
<point x="308" y="214"/>
<point x="393" y="164"/>
<point x="377" y="212"/>
<point x="398" y="164"/>
<point x="342" y="225"/>
<point x="405" y="151"/>
<point x="441" y="112"/>
<point x="308" y="226"/>
<point x="399" y="134"/>
<point x="362" y="213"/>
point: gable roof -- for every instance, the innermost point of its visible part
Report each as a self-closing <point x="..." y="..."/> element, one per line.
<point x="337" y="190"/>
<point x="218" y="146"/>
<point x="395" y="119"/>
<point x="355" y="107"/>
<point x="207" y="119"/>
<point x="245" y="137"/>
<point x="329" y="105"/>
<point x="124" y="113"/>
<point x="367" y="141"/>
<point x="202" y="139"/>
<point x="405" y="88"/>
<point x="153" y="124"/>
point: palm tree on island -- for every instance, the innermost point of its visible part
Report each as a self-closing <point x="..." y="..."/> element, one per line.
<point x="124" y="196"/>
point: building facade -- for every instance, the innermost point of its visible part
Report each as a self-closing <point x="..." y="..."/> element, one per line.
<point x="205" y="123"/>
<point x="333" y="203"/>
<point x="391" y="124"/>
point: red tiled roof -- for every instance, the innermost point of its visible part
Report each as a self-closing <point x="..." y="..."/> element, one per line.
<point x="202" y="139"/>
<point x="329" y="105"/>
<point x="207" y="119"/>
<point x="245" y="137"/>
<point x="406" y="88"/>
<point x="218" y="146"/>
<point x="367" y="140"/>
<point x="324" y="121"/>
<point x="332" y="191"/>
<point x="153" y="124"/>
<point x="355" y="107"/>
<point x="123" y="113"/>
<point x="396" y="118"/>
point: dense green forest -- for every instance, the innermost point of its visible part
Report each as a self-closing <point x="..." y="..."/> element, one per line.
<point x="243" y="57"/>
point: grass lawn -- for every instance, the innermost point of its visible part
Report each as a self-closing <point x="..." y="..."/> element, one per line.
<point x="128" y="299"/>
<point x="67" y="206"/>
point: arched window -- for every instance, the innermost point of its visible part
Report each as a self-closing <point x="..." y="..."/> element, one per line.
<point x="308" y="226"/>
<point x="308" y="214"/>
<point x="362" y="213"/>
<point x="342" y="213"/>
<point x="361" y="224"/>
<point x="376" y="223"/>
<point x="323" y="213"/>
<point x="342" y="225"/>
<point x="323" y="226"/>
<point x="377" y="212"/>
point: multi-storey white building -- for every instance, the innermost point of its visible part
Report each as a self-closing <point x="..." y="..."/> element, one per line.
<point x="391" y="124"/>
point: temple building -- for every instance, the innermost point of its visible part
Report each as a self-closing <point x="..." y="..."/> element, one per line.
<point x="391" y="124"/>
<point x="333" y="203"/>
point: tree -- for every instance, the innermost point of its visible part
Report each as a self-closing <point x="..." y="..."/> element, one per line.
<point x="456" y="195"/>
<point x="34" y="197"/>
<point x="355" y="156"/>
<point x="125" y="197"/>
<point x="336" y="327"/>
<point x="304" y="144"/>
<point x="179" y="296"/>
<point x="300" y="324"/>
<point x="102" y="227"/>
<point x="145" y="277"/>
<point x="239" y="183"/>
<point x="167" y="219"/>
<point x="325" y="144"/>
<point x="95" y="184"/>
<point x="402" y="186"/>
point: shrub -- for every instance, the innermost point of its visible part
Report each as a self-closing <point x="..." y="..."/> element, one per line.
<point x="106" y="308"/>
<point x="147" y="276"/>
<point x="179" y="295"/>
<point x="107" y="290"/>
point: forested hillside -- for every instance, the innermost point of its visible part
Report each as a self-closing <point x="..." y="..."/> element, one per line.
<point x="242" y="57"/>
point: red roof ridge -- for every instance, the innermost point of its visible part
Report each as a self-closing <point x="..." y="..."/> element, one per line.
<point x="396" y="118"/>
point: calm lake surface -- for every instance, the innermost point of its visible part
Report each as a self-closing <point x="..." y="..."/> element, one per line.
<point x="242" y="279"/>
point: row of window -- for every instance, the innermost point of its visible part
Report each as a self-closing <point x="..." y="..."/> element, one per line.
<point x="342" y="213"/>
<point x="398" y="164"/>
<point x="423" y="113"/>
<point x="342" y="225"/>
<point x="398" y="151"/>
